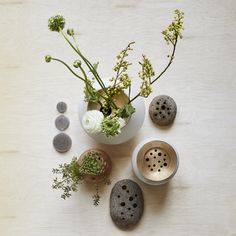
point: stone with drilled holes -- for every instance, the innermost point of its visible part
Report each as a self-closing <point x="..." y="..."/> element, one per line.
<point x="62" y="142"/>
<point x="126" y="203"/>
<point x="162" y="110"/>
<point x="61" y="107"/>
<point x="62" y="122"/>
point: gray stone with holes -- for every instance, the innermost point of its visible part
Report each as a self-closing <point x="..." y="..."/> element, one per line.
<point x="126" y="203"/>
<point x="162" y="110"/>
<point x="62" y="122"/>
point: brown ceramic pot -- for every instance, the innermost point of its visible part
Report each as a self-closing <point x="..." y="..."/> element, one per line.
<point x="95" y="179"/>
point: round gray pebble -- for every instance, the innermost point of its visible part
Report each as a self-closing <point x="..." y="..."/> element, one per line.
<point x="61" y="107"/>
<point x="62" y="122"/>
<point x="62" y="142"/>
<point x="162" y="110"/>
<point x="126" y="203"/>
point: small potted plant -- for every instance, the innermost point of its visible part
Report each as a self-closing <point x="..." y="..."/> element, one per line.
<point x="93" y="166"/>
<point x="111" y="106"/>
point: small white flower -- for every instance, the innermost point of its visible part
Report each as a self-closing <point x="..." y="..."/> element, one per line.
<point x="121" y="122"/>
<point x="92" y="121"/>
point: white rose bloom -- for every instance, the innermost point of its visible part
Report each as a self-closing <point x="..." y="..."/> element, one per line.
<point x="92" y="121"/>
<point x="121" y="122"/>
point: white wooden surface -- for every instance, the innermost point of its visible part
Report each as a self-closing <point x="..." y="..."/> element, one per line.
<point x="201" y="198"/>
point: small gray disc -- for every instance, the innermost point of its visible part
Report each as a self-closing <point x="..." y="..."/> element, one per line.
<point x="62" y="142"/>
<point x="61" y="107"/>
<point x="62" y="122"/>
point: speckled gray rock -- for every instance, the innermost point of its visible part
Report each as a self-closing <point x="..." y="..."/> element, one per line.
<point x="61" y="107"/>
<point x="62" y="122"/>
<point x="62" y="142"/>
<point x="162" y="110"/>
<point x="126" y="203"/>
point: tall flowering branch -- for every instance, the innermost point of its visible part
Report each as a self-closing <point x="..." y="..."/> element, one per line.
<point x="171" y="36"/>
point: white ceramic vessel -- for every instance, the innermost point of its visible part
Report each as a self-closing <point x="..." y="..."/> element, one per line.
<point x="127" y="132"/>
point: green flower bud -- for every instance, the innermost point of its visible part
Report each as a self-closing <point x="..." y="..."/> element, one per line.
<point x="77" y="63"/>
<point x="48" y="58"/>
<point x="56" y="23"/>
<point x="70" y="32"/>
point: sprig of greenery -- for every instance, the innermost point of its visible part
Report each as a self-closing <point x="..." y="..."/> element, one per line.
<point x="110" y="126"/>
<point x="72" y="174"/>
<point x="171" y="35"/>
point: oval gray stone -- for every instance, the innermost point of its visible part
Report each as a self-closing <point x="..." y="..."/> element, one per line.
<point x="62" y="142"/>
<point x="126" y="203"/>
<point x="62" y="122"/>
<point x="61" y="107"/>
<point x="162" y="110"/>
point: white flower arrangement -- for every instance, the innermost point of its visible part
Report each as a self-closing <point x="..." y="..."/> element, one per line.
<point x="94" y="122"/>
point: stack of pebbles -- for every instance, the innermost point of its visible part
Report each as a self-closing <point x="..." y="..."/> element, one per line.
<point x="62" y="142"/>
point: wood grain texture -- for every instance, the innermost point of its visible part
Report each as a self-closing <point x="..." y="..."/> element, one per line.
<point x="200" y="200"/>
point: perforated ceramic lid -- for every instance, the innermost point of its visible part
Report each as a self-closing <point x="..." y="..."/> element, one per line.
<point x="157" y="161"/>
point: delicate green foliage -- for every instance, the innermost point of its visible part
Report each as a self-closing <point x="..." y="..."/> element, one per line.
<point x="56" y="23"/>
<point x="121" y="81"/>
<point x="48" y="58"/>
<point x="121" y="67"/>
<point x="173" y="31"/>
<point x="95" y="65"/>
<point x="126" y="111"/>
<point x="73" y="173"/>
<point x="110" y="126"/>
<point x="146" y="74"/>
<point x="70" y="32"/>
<point x="90" y="93"/>
<point x="77" y="63"/>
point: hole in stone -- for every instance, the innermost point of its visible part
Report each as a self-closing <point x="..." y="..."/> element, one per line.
<point x="165" y="155"/>
<point x="122" y="213"/>
<point x="168" y="113"/>
<point x="99" y="158"/>
<point x="157" y="103"/>
<point x="131" y="198"/>
<point x="163" y="117"/>
<point x="159" y="154"/>
<point x="168" y="108"/>
<point x="123" y="218"/>
<point x="160" y="112"/>
<point x="154" y="165"/>
<point x="159" y="161"/>
<point x="135" y="195"/>
<point x="135" y="205"/>
<point x="164" y="159"/>
<point x="93" y="178"/>
<point x="118" y="196"/>
<point x="147" y="159"/>
<point x="122" y="204"/>
<point x="127" y="191"/>
<point x="129" y="209"/>
<point x="157" y="108"/>
<point x="131" y="215"/>
<point x="155" y="114"/>
<point x="163" y="107"/>
<point x="155" y="150"/>
<point x="165" y="164"/>
<point x="151" y="153"/>
<point x="161" y="166"/>
<point x="151" y="169"/>
<point x="124" y="187"/>
<point x="164" y="102"/>
<point x="154" y="157"/>
<point x="159" y="170"/>
<point x="149" y="165"/>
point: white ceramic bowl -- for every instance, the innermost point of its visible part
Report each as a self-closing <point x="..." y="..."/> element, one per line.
<point x="154" y="162"/>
